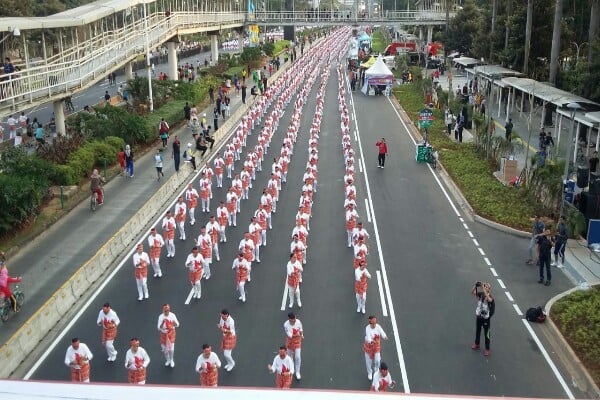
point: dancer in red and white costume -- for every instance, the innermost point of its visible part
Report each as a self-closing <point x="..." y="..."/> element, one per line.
<point x="204" y="243"/>
<point x="222" y="219"/>
<point x="78" y="358"/>
<point x="351" y="217"/>
<point x="246" y="246"/>
<point x="283" y="367"/>
<point x="361" y="274"/>
<point x="382" y="380"/>
<point x="242" y="275"/>
<point x="294" y="269"/>
<point x="205" y="192"/>
<point x="191" y="197"/>
<point x="255" y="231"/>
<point x="180" y="216"/>
<point x="232" y="200"/>
<point x="298" y="248"/>
<point x="372" y="346"/>
<point x="293" y="342"/>
<point x="167" y="323"/>
<point x="136" y="362"/>
<point x="226" y="325"/>
<point x="141" y="261"/>
<point x="109" y="321"/>
<point x="219" y="164"/>
<point x="262" y="217"/>
<point x="168" y="227"/>
<point x="195" y="265"/>
<point x="156" y="243"/>
<point x="268" y="203"/>
<point x="213" y="229"/>
<point x="207" y="365"/>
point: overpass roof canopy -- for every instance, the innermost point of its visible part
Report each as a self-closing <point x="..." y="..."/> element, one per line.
<point x="495" y="72"/>
<point x="549" y="93"/>
<point x="74" y="17"/>
<point x="466" y="62"/>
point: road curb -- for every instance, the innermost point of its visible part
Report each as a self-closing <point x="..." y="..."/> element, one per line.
<point x="556" y="333"/>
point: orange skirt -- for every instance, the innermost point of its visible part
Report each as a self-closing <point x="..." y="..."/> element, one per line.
<point x="155" y="252"/>
<point x="195" y="275"/>
<point x="360" y="287"/>
<point x="293" y="343"/>
<point x="109" y="334"/>
<point x="136" y="376"/>
<point x="209" y="378"/>
<point x="170" y="234"/>
<point x="228" y="342"/>
<point x="82" y="374"/>
<point x="170" y="335"/>
<point x="372" y="348"/>
<point x="142" y="272"/>
<point x="283" y="381"/>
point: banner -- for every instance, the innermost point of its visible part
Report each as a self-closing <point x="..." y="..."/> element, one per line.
<point x="253" y="32"/>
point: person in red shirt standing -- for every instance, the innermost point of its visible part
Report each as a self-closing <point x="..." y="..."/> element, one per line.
<point x="382" y="152"/>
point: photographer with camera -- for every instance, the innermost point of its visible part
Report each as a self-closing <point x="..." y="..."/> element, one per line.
<point x="484" y="312"/>
<point x="207" y="137"/>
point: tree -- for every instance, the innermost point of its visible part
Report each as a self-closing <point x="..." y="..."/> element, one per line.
<point x="463" y="28"/>
<point x="556" y="32"/>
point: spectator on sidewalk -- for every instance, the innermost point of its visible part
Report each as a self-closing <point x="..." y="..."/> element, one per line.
<point x="536" y="229"/>
<point x="593" y="161"/>
<point x="508" y="128"/>
<point x="176" y="154"/>
<point x="216" y="115"/>
<point x="121" y="157"/>
<point x="545" y="243"/>
<point x="449" y="120"/>
<point x="243" y="94"/>
<point x="128" y="161"/>
<point x="560" y="242"/>
<point x="187" y="111"/>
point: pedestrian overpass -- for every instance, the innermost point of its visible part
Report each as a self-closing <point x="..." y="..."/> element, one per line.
<point x="58" y="55"/>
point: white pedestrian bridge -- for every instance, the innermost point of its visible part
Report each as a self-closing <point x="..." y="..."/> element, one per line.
<point x="58" y="55"/>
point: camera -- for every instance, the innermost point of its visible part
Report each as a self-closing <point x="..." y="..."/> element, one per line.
<point x="478" y="284"/>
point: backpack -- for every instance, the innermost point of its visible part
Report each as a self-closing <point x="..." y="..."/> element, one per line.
<point x="535" y="314"/>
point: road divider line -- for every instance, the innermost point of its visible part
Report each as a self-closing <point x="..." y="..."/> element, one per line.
<point x="360" y="167"/>
<point x="508" y="295"/>
<point x="502" y="285"/>
<point x="368" y="210"/>
<point x="285" y="294"/>
<point x="381" y="294"/>
<point x="386" y="284"/>
<point x="466" y="226"/>
<point x="481" y="251"/>
<point x="517" y="309"/>
<point x="487" y="261"/>
<point x="553" y="367"/>
<point x="493" y="271"/>
<point x="189" y="297"/>
<point x="470" y="234"/>
<point x="476" y="242"/>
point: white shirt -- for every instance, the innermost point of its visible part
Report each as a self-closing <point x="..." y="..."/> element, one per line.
<point x="161" y="319"/>
<point x="372" y="333"/>
<point x="109" y="317"/>
<point x="137" y="258"/>
<point x="154" y="240"/>
<point x="191" y="194"/>
<point x="246" y="243"/>
<point x="278" y="364"/>
<point x="358" y="274"/>
<point x="194" y="263"/>
<point x="222" y="212"/>
<point x="360" y="232"/>
<point x="202" y="363"/>
<point x="134" y="360"/>
<point x="71" y="355"/>
<point x="229" y="323"/>
<point x="289" y="328"/>
<point x="166" y="221"/>
<point x="180" y="208"/>
<point x="378" y="381"/>
<point x="293" y="266"/>
<point x="297" y="246"/>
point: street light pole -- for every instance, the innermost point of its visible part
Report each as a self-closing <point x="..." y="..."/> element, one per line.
<point x="579" y="47"/>
<point x="573" y="107"/>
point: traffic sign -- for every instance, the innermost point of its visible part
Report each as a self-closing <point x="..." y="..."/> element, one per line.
<point x="426" y="118"/>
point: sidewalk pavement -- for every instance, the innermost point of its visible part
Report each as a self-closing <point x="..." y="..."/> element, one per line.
<point x="47" y="261"/>
<point x="582" y="264"/>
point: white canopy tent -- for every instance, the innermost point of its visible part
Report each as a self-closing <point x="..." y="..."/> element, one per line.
<point x="378" y="74"/>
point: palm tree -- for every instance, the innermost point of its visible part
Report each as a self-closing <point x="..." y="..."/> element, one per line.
<point x="555" y="53"/>
<point x="528" y="29"/>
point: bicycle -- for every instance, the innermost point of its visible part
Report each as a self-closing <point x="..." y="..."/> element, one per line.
<point x="7" y="306"/>
<point x="94" y="199"/>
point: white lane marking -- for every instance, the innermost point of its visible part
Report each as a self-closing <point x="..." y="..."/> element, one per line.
<point x="502" y="285"/>
<point x="360" y="167"/>
<point x="189" y="297"/>
<point x="517" y="309"/>
<point x="487" y="261"/>
<point x="470" y="234"/>
<point x="476" y="242"/>
<point x="381" y="294"/>
<point x="549" y="360"/>
<point x="405" y="384"/>
<point x="77" y="97"/>
<point x="515" y="306"/>
<point x="510" y="298"/>
<point x="481" y="251"/>
<point x="493" y="271"/>
<point x="465" y="225"/>
<point x="285" y="294"/>
<point x="355" y="136"/>
<point x="74" y="320"/>
<point x="368" y="210"/>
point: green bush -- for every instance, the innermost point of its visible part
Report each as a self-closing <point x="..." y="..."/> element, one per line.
<point x="103" y="152"/>
<point x="268" y="48"/>
<point x="250" y="55"/>
<point x="115" y="142"/>
<point x="65" y="175"/>
<point x="578" y="318"/>
<point x="20" y="199"/>
<point x="229" y="74"/>
<point x="280" y="46"/>
<point x="82" y="161"/>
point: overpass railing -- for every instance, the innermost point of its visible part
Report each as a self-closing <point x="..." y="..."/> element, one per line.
<point x="85" y="62"/>
<point x="347" y="16"/>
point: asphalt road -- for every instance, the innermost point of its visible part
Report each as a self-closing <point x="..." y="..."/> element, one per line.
<point x="420" y="245"/>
